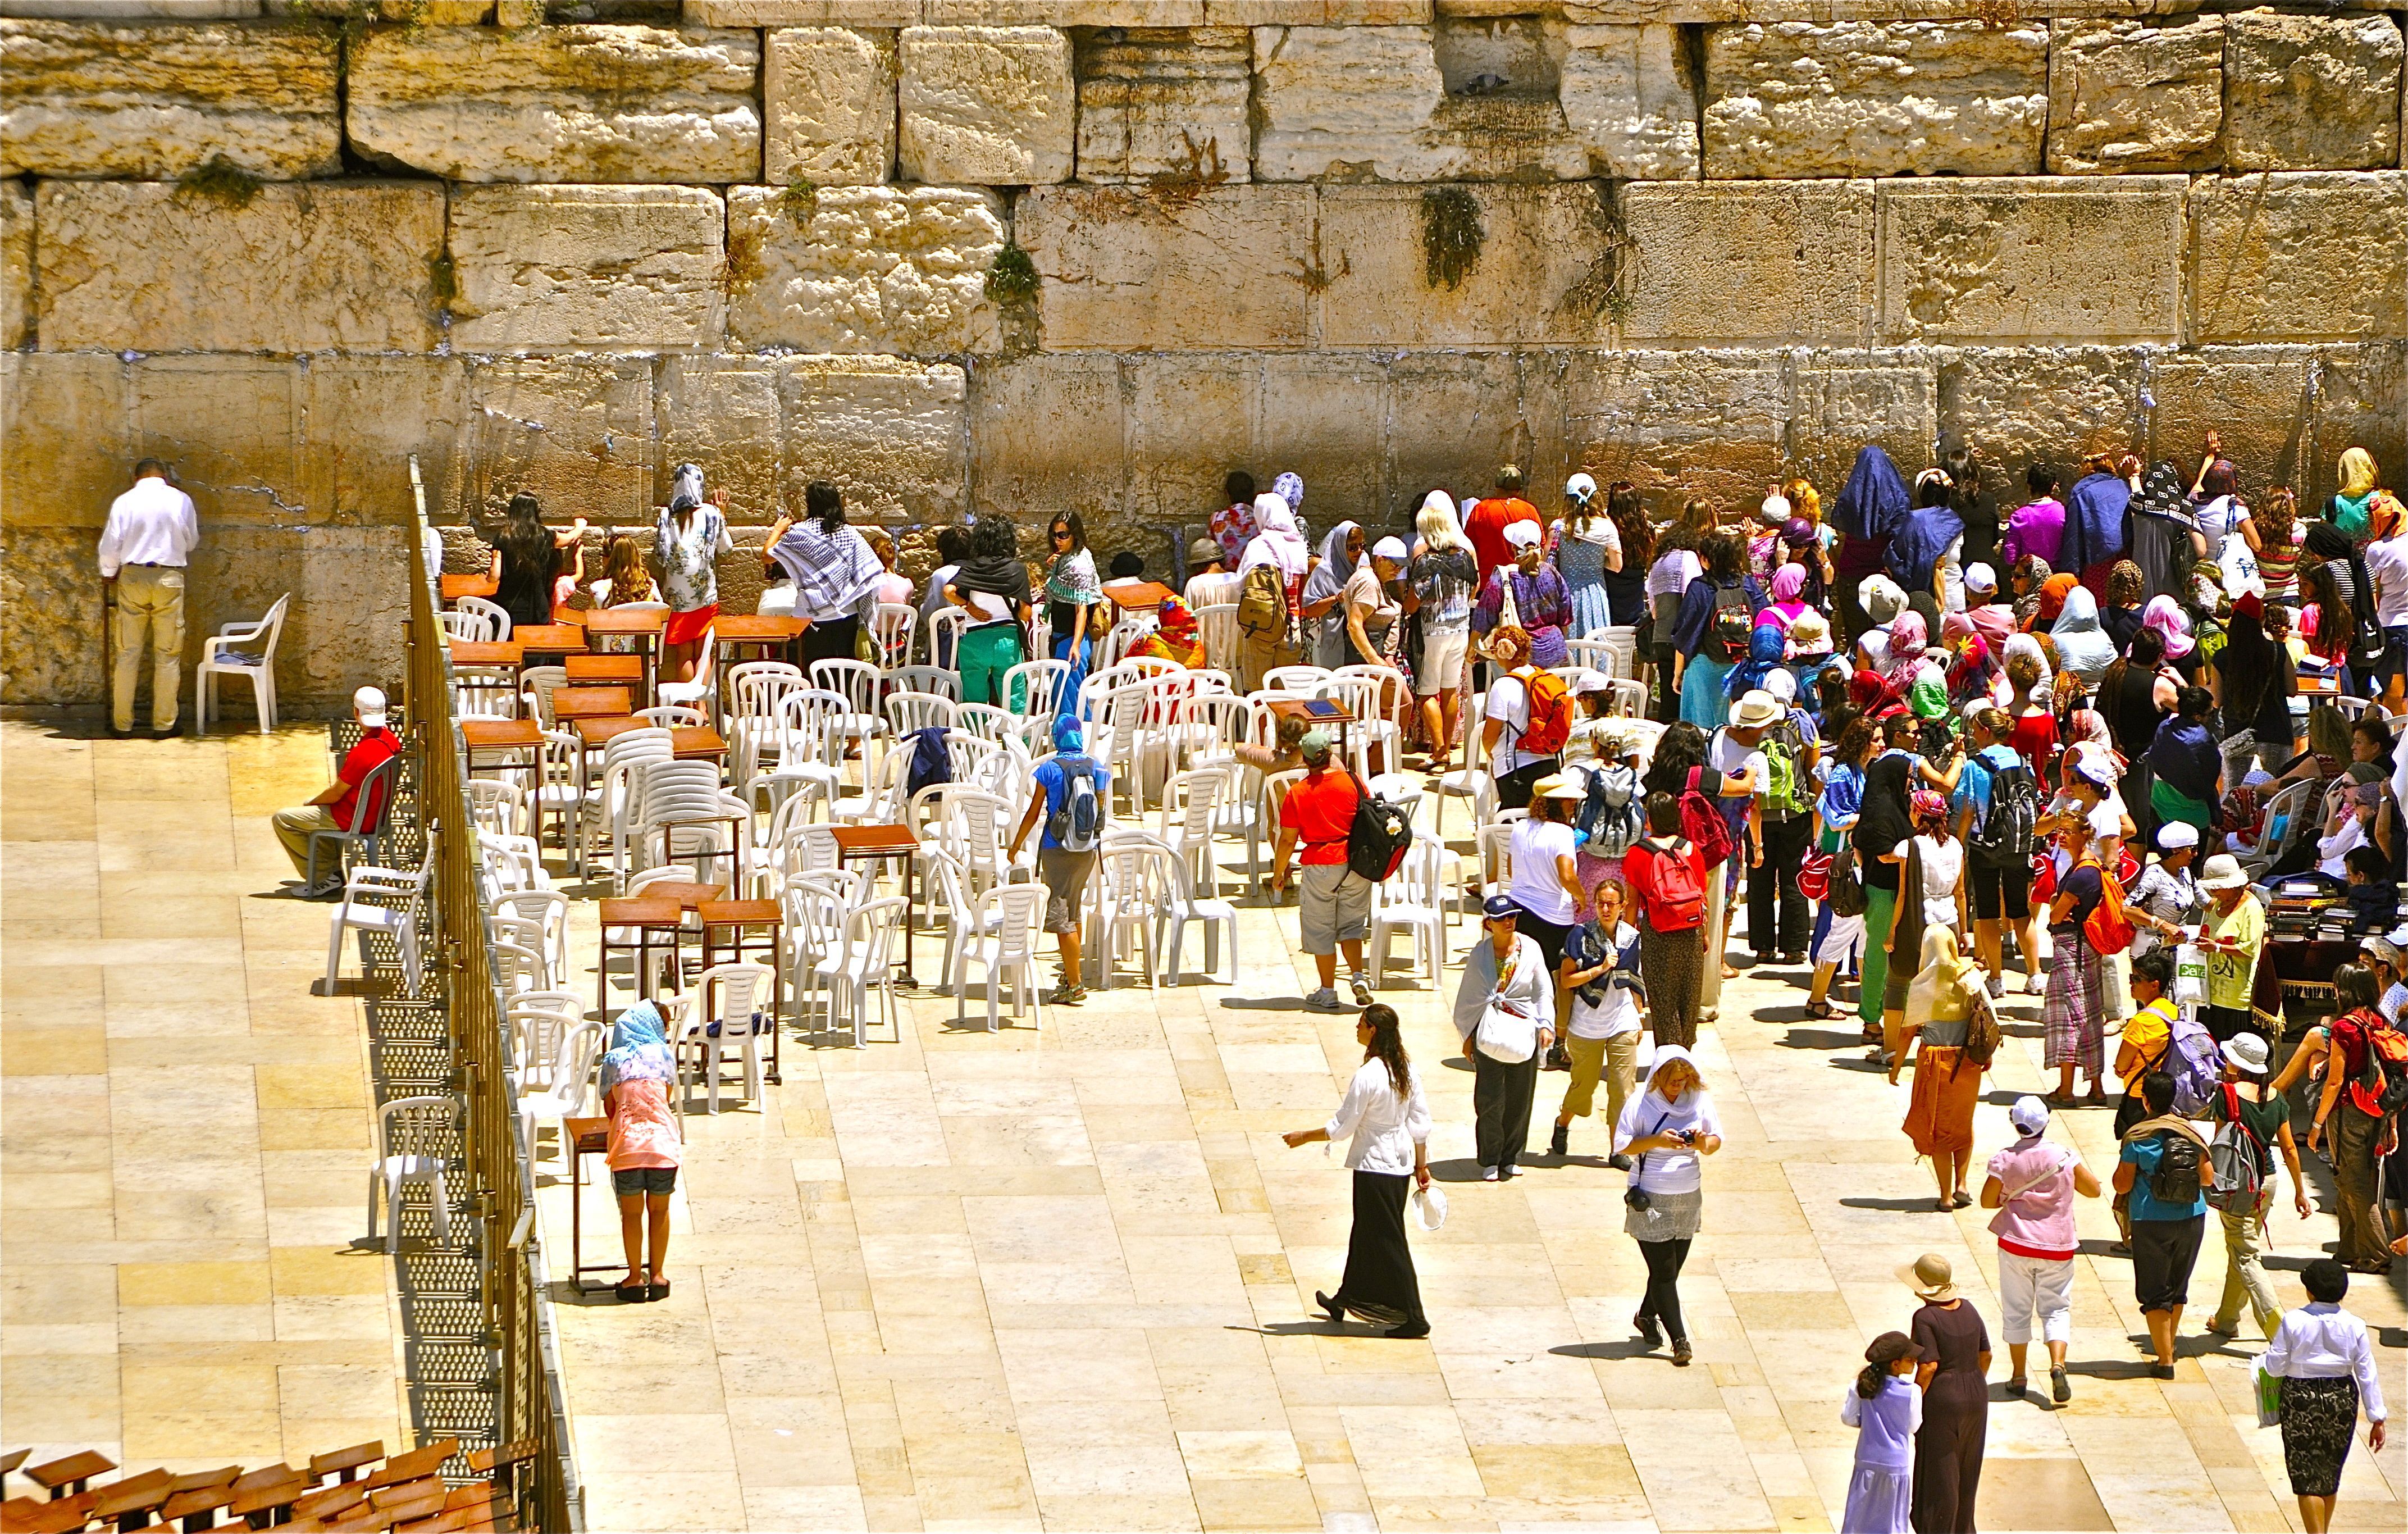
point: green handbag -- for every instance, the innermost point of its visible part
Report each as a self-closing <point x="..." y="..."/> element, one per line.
<point x="2270" y="1397"/>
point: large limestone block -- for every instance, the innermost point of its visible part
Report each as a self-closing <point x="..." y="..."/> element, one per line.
<point x="119" y="10"/>
<point x="585" y="103"/>
<point x="1348" y="103"/>
<point x="2032" y="258"/>
<point x="1840" y="401"/>
<point x="2311" y="92"/>
<point x="863" y="268"/>
<point x="66" y="421"/>
<point x="616" y="268"/>
<point x="723" y="413"/>
<point x="1192" y="417"/>
<point x="2361" y="400"/>
<point x="830" y="100"/>
<point x="152" y="102"/>
<point x="1064" y="13"/>
<point x="1543" y="275"/>
<point x="364" y="417"/>
<point x="2308" y="255"/>
<point x="1324" y="417"/>
<point x="1318" y="12"/>
<point x="885" y="13"/>
<point x="2254" y="395"/>
<point x="1629" y="98"/>
<point x="1047" y="433"/>
<point x="51" y="617"/>
<point x="893" y="435"/>
<point x="1452" y="417"/>
<point x="1872" y="98"/>
<point x="16" y="263"/>
<point x="1750" y="261"/>
<point x="1166" y="104"/>
<point x="2129" y="96"/>
<point x="575" y="432"/>
<point x="137" y="266"/>
<point x="990" y="105"/>
<point x="1130" y="271"/>
<point x="2024" y="405"/>
<point x="1695" y="423"/>
<point x="233" y="428"/>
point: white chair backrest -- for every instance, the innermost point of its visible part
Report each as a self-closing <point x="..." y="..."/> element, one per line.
<point x="1033" y="689"/>
<point x="1217" y="624"/>
<point x="855" y="681"/>
<point x="466" y="627"/>
<point x="672" y="716"/>
<point x="731" y="993"/>
<point x="910" y="712"/>
<point x="421" y="1125"/>
<point x="945" y="627"/>
<point x="983" y="720"/>
<point x="537" y="683"/>
<point x="1304" y="681"/>
<point x="754" y="688"/>
<point x="496" y="616"/>
<point x="495" y="808"/>
<point x="572" y="1073"/>
<point x="942" y="680"/>
<point x="1594" y="654"/>
<point x="268" y="630"/>
<point x="891" y="626"/>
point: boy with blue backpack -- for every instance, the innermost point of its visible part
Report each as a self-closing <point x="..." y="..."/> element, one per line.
<point x="1074" y="793"/>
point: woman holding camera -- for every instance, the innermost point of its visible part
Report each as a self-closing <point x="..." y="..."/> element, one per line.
<point x="1666" y="1131"/>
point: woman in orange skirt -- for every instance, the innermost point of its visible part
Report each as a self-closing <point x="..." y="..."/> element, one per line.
<point x="1947" y="1085"/>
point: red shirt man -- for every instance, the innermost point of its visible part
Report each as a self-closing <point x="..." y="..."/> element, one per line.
<point x="1486" y="522"/>
<point x="336" y="807"/>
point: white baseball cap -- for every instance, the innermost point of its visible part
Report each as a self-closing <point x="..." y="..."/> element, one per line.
<point x="2030" y="1115"/>
<point x="368" y="703"/>
<point x="1389" y="548"/>
<point x="1521" y="534"/>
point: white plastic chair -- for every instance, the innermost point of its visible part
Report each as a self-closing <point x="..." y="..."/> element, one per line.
<point x="860" y="684"/>
<point x="403" y="889"/>
<point x="1190" y="804"/>
<point x="1470" y="781"/>
<point x="1217" y="624"/>
<point x="909" y="712"/>
<point x="498" y="617"/>
<point x="536" y="684"/>
<point x="1185" y="906"/>
<point x="996" y="938"/>
<point x="466" y="627"/>
<point x="945" y="626"/>
<point x="549" y="910"/>
<point x="240" y="650"/>
<point x="735" y="1014"/>
<point x="1411" y="902"/>
<point x="1132" y="891"/>
<point x="412" y="1136"/>
<point x="861" y="963"/>
<point x="569" y="1093"/>
<point x="1302" y="679"/>
<point x="539" y="1021"/>
<point x="1033" y="689"/>
<point x="891" y="626"/>
<point x="672" y="716"/>
<point x="942" y="680"/>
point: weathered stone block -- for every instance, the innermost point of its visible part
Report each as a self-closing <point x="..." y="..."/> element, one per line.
<point x="721" y="413"/>
<point x="1317" y="13"/>
<point x="136" y="265"/>
<point x="1543" y="275"/>
<point x="364" y="417"/>
<point x="995" y="105"/>
<point x="1750" y="261"/>
<point x="802" y="12"/>
<point x="1165" y="105"/>
<point x="1450" y="418"/>
<point x="619" y="268"/>
<point x="2266" y="261"/>
<point x="2051" y="405"/>
<point x="233" y="428"/>
<point x="2311" y="92"/>
<point x="1324" y="417"/>
<point x="1063" y="13"/>
<point x="830" y="102"/>
<point x="1193" y="416"/>
<point x="585" y="103"/>
<point x="2362" y="401"/>
<point x="1347" y="103"/>
<point x="117" y="11"/>
<point x="51" y="617"/>
<point x="884" y="268"/>
<point x="1708" y="423"/>
<point x="65" y="422"/>
<point x="892" y="434"/>
<point x="2255" y="397"/>
<point x="1840" y="401"/>
<point x="2038" y="258"/>
<point x="152" y="102"/>
<point x="2129" y="96"/>
<point x="1128" y="269"/>
<point x="16" y="263"/>
<point x="1047" y="431"/>
<point x="1629" y="98"/>
<point x="1870" y="98"/>
<point x="575" y="432"/>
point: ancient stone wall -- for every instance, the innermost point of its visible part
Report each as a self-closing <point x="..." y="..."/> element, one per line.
<point x="1024" y="255"/>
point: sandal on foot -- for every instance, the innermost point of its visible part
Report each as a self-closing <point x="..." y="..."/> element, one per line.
<point x="2016" y="1386"/>
<point x="1960" y="1199"/>
<point x="658" y="1291"/>
<point x="2060" y="1388"/>
<point x="631" y="1293"/>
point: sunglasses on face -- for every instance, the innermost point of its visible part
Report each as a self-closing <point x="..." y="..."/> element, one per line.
<point x="1061" y="534"/>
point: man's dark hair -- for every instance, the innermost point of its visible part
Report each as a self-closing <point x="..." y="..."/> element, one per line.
<point x="2158" y="1091"/>
<point x="2193" y="702"/>
<point x="824" y="503"/>
<point x="1663" y="815"/>
<point x="1238" y="486"/>
<point x="951" y="543"/>
<point x="992" y="537"/>
<point x="2369" y="861"/>
<point x="2157" y="966"/>
<point x="2040" y="478"/>
<point x="150" y="465"/>
<point x="2324" y="1280"/>
<point x="1125" y="563"/>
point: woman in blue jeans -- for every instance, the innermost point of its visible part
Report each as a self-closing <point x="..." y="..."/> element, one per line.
<point x="1073" y="592"/>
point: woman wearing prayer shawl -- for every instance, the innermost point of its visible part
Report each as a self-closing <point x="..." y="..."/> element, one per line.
<point x="1940" y="1003"/>
<point x="1868" y="513"/>
<point x="1925" y="552"/>
<point x="1325" y="617"/>
<point x="2083" y="647"/>
<point x="637" y="1076"/>
<point x="2095" y="510"/>
<point x="835" y="572"/>
<point x="992" y="583"/>
<point x="1279" y="549"/>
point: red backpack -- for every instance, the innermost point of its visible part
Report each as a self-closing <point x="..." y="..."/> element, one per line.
<point x="1671" y="888"/>
<point x="1705" y="825"/>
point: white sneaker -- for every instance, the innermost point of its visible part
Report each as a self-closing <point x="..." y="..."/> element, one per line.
<point x="1362" y="985"/>
<point x="1488" y="1174"/>
<point x="1322" y="1001"/>
<point x="2036" y="986"/>
<point x="1997" y="986"/>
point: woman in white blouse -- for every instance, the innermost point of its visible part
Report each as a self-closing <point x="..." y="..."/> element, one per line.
<point x="1666" y="1131"/>
<point x="1385" y="1121"/>
<point x="2323" y="1356"/>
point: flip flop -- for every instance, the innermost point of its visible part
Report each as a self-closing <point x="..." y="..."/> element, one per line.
<point x="629" y="1293"/>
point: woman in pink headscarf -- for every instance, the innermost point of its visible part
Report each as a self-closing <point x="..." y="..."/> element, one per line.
<point x="1973" y="671"/>
<point x="1788" y="598"/>
<point x="1908" y="640"/>
<point x="2166" y="617"/>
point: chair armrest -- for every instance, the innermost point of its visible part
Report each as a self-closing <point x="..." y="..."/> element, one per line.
<point x="241" y="631"/>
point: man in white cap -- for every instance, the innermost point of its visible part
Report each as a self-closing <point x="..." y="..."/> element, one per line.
<point x="2233" y="935"/>
<point x="2262" y="1124"/>
<point x="2031" y="1184"/>
<point x="337" y="806"/>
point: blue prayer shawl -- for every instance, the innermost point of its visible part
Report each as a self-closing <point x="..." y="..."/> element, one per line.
<point x="1874" y="501"/>
<point x="2094" y="521"/>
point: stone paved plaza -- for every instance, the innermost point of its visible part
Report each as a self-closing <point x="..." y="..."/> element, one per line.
<point x="1057" y="1276"/>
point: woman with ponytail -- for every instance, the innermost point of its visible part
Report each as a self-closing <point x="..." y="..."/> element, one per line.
<point x="1885" y="1409"/>
<point x="1385" y="1120"/>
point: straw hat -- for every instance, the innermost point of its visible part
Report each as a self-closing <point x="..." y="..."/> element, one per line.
<point x="1930" y="1276"/>
<point x="2223" y="872"/>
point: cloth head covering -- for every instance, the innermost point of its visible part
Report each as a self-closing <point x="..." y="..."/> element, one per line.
<point x="640" y="1050"/>
<point x="1798" y="533"/>
<point x="1289" y="488"/>
<point x="1276" y="541"/>
<point x="1579" y="488"/>
<point x="2328" y="542"/>
<point x="1765" y="647"/>
<point x="1328" y="578"/>
<point x="2083" y="646"/>
<point x="2094" y="521"/>
<point x="686" y="484"/>
<point x="1390" y="548"/>
<point x="1908" y="637"/>
<point x="2175" y="835"/>
<point x="1975" y="670"/>
<point x="1174" y="619"/>
<point x="2166" y="617"/>
<point x="1923" y="536"/>
<point x="2358" y="473"/>
<point x="1938" y="989"/>
<point x="1782" y="683"/>
<point x="1666" y="1055"/>
<point x="1788" y="582"/>
<point x="1929" y="698"/>
<point x="1874" y="501"/>
<point x="2053" y="593"/>
<point x="2164" y="495"/>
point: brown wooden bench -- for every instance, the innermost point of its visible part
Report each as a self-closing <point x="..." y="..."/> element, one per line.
<point x="346" y="1462"/>
<point x="415" y="1464"/>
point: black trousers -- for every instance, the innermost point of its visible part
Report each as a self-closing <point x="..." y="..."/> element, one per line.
<point x="1501" y="1104"/>
<point x="829" y="639"/>
<point x="2163" y="1252"/>
<point x="1662" y="1300"/>
<point x="1785" y="853"/>
<point x="1379" y="1284"/>
<point x="1513" y="789"/>
<point x="1666" y="704"/>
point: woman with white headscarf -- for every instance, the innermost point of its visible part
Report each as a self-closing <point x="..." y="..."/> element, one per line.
<point x="1269" y="602"/>
<point x="2083" y="646"/>
<point x="1438" y="584"/>
<point x="1325" y="615"/>
<point x="1586" y="545"/>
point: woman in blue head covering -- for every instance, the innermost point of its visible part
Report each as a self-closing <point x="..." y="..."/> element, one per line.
<point x="1925" y="552"/>
<point x="1766" y="648"/>
<point x="1868" y="512"/>
<point x="637" y="1076"/>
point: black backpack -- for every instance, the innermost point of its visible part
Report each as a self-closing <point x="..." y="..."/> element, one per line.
<point x="2002" y="838"/>
<point x="2177" y="1181"/>
<point x="1380" y="836"/>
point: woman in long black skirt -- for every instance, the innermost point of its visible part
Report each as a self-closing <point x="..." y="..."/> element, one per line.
<point x="1385" y="1121"/>
<point x="2326" y="1361"/>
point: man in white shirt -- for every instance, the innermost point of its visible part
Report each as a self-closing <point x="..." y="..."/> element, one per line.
<point x="1214" y="583"/>
<point x="144" y="548"/>
<point x="2387" y="567"/>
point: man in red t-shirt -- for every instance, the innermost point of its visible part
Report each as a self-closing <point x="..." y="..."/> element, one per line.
<point x="1333" y="901"/>
<point x="337" y="807"/>
<point x="1485" y="524"/>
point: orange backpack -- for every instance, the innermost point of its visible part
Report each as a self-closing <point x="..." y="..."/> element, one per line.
<point x="1549" y="705"/>
<point x="2108" y="928"/>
